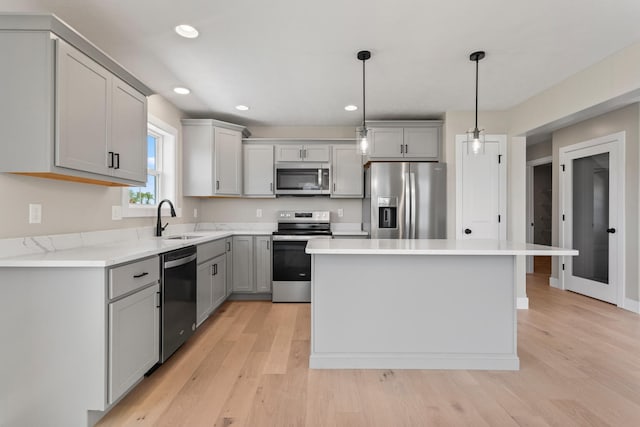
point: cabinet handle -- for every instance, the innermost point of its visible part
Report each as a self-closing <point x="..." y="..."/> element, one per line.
<point x="300" y="153"/>
<point x="271" y="186"/>
<point x="406" y="148"/>
<point x="268" y="244"/>
<point x="217" y="185"/>
<point x="137" y="276"/>
<point x="304" y="152"/>
<point x="228" y="246"/>
<point x="401" y="149"/>
<point x="117" y="166"/>
<point x="214" y="269"/>
<point x="158" y="300"/>
<point x="110" y="159"/>
<point x="334" y="186"/>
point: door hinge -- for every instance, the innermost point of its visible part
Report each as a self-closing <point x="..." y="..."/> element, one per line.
<point x="562" y="168"/>
<point x="499" y="158"/>
<point x="498" y="218"/>
<point x="563" y="266"/>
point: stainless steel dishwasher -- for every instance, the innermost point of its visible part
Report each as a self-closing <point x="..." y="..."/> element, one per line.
<point x="178" y="305"/>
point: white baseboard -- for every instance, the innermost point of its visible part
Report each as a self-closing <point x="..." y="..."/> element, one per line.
<point x="553" y="282"/>
<point x="632" y="305"/>
<point x="522" y="303"/>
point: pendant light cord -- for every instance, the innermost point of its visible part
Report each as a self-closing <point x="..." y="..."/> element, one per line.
<point x="477" y="60"/>
<point x="364" y="109"/>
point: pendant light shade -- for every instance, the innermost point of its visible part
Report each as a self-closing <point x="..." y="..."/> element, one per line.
<point x="475" y="136"/>
<point x="362" y="137"/>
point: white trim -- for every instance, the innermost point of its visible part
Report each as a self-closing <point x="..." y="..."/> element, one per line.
<point x="169" y="175"/>
<point x="522" y="303"/>
<point x="618" y="165"/>
<point x="502" y="141"/>
<point x="530" y="165"/>
<point x="507" y="362"/>
<point x="554" y="282"/>
<point x="631" y="305"/>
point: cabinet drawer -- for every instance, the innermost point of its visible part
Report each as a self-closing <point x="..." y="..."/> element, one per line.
<point x="211" y="249"/>
<point x="130" y="277"/>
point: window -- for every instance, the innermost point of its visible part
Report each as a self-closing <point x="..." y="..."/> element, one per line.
<point x="148" y="195"/>
<point x="161" y="173"/>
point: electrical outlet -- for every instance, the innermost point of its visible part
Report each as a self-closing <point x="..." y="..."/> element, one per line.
<point x="195" y="212"/>
<point x="258" y="213"/>
<point x="116" y="213"/>
<point x="35" y="213"/>
<point x="341" y="212"/>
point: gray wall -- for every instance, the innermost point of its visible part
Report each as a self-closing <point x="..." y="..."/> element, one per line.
<point x="539" y="150"/>
<point x="628" y="120"/>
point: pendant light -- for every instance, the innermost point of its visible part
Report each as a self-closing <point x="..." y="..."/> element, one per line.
<point x="475" y="136"/>
<point x="361" y="140"/>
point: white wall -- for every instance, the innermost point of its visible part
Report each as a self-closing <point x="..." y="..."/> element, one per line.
<point x="628" y="120"/>
<point x="69" y="207"/>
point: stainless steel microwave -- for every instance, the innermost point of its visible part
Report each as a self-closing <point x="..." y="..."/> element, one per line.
<point x="302" y="179"/>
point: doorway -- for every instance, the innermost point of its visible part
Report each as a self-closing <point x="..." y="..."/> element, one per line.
<point x="539" y="212"/>
<point x="592" y="217"/>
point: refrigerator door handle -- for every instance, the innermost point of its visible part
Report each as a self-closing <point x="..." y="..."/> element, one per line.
<point x="406" y="234"/>
<point x="413" y="206"/>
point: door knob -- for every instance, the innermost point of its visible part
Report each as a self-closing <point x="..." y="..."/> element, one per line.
<point x="611" y="230"/>
<point x="467" y="231"/>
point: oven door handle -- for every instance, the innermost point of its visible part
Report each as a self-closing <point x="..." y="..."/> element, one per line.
<point x="280" y="238"/>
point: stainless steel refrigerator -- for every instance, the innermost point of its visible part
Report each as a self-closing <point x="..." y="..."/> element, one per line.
<point x="405" y="200"/>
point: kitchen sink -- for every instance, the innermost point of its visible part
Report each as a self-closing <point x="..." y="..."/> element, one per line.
<point x="182" y="237"/>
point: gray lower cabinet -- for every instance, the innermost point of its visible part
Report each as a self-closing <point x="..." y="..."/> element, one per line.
<point x="134" y="323"/>
<point x="252" y="264"/>
<point x="262" y="248"/>
<point x="134" y="339"/>
<point x="229" y="261"/>
<point x="211" y="282"/>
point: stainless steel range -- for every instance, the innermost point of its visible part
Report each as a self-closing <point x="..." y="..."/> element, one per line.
<point x="291" y="265"/>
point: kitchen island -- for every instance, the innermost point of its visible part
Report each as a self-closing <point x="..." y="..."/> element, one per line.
<point x="416" y="304"/>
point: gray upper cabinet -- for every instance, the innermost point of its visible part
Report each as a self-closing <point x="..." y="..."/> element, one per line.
<point x="414" y="140"/>
<point x="212" y="156"/>
<point x="303" y="153"/>
<point x="69" y="114"/>
<point x="258" y="170"/>
<point x="347" y="175"/>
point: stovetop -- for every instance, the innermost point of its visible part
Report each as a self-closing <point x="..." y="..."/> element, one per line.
<point x="303" y="223"/>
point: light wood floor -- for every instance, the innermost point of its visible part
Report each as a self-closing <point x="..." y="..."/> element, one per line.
<point x="247" y="366"/>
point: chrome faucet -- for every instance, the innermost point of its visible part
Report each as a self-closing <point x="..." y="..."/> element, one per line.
<point x="159" y="227"/>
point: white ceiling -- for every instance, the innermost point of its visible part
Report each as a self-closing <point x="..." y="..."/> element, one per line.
<point x="294" y="61"/>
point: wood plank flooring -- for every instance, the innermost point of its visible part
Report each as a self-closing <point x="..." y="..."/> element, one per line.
<point x="247" y="366"/>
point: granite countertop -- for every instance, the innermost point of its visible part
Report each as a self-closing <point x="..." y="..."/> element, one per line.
<point x="430" y="247"/>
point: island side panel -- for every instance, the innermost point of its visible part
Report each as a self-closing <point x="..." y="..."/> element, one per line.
<point x="53" y="345"/>
<point x="413" y="311"/>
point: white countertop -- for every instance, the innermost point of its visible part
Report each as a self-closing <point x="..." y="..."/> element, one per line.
<point x="430" y="247"/>
<point x="112" y="253"/>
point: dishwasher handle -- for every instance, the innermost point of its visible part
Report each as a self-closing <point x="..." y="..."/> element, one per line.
<point x="180" y="261"/>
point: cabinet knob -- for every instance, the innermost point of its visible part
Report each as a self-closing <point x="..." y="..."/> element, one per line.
<point x="467" y="231"/>
<point x="611" y="230"/>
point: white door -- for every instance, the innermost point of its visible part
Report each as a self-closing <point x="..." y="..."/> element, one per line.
<point x="481" y="190"/>
<point x="591" y="217"/>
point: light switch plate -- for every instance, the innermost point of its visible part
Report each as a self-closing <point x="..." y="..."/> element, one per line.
<point x="258" y="213"/>
<point x="341" y="212"/>
<point x="195" y="212"/>
<point x="35" y="213"/>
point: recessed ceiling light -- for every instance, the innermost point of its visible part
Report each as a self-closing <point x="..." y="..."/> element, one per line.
<point x="187" y="31"/>
<point x="351" y="107"/>
<point x="242" y="107"/>
<point x="181" y="90"/>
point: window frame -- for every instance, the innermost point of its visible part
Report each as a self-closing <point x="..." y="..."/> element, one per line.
<point x="165" y="172"/>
